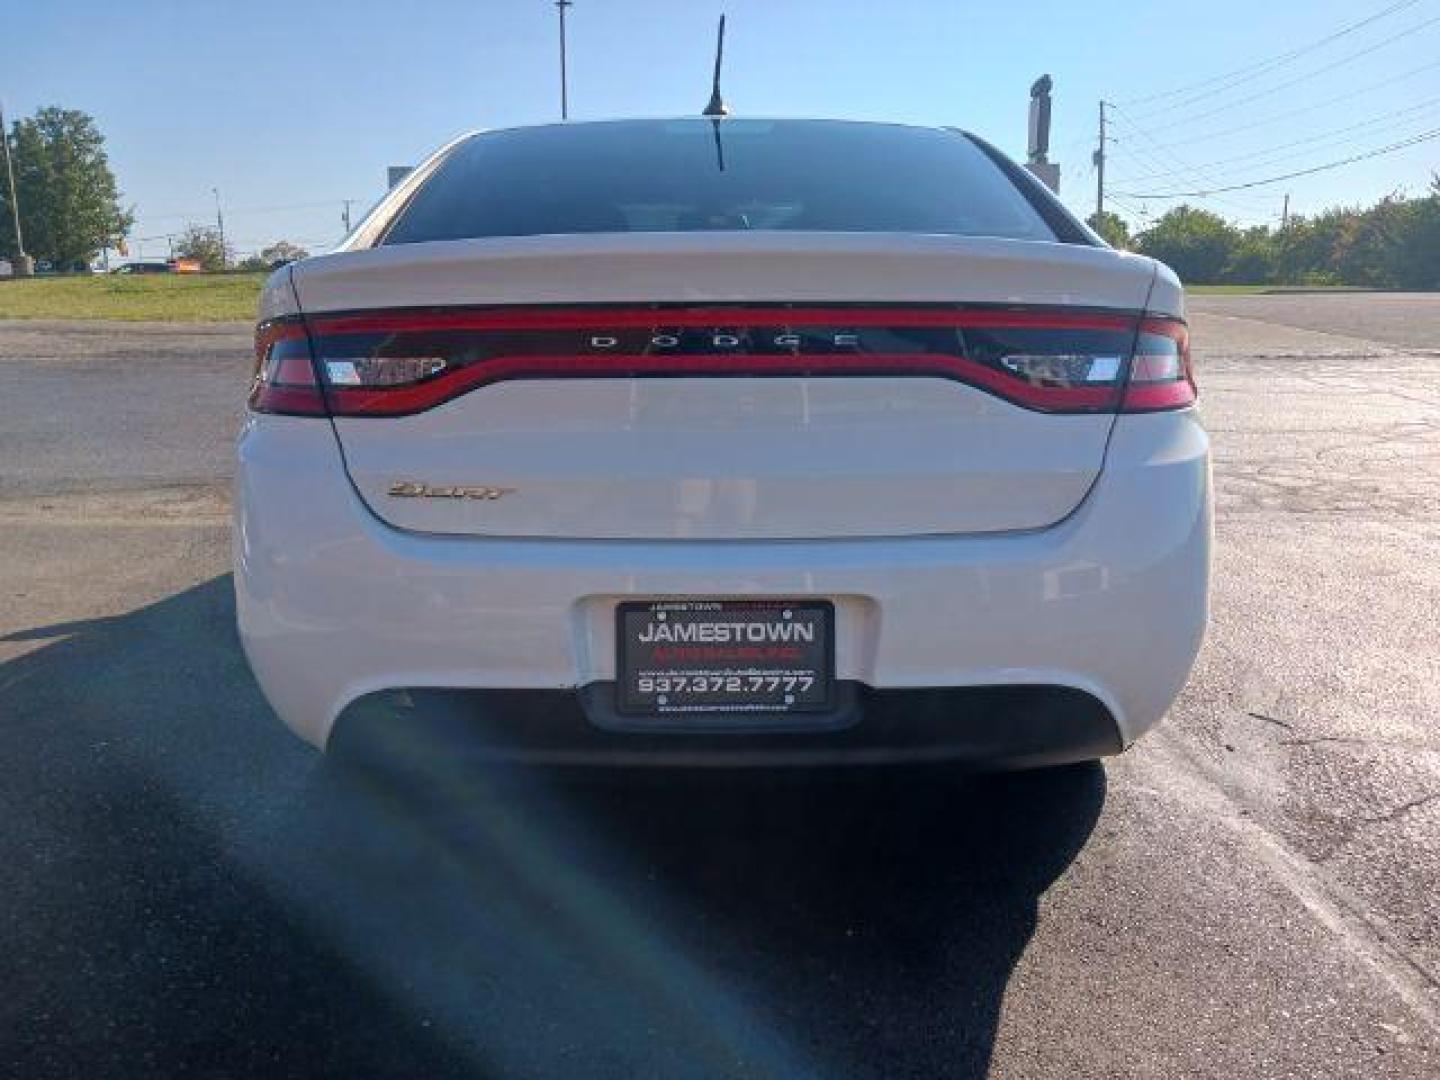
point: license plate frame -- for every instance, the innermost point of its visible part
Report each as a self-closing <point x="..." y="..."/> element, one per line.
<point x="720" y="646"/>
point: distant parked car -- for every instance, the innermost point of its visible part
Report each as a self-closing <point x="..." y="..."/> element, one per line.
<point x="143" y="267"/>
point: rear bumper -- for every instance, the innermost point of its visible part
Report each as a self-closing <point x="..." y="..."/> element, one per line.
<point x="988" y="727"/>
<point x="334" y="605"/>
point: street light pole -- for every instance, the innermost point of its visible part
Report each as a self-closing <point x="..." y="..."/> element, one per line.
<point x="24" y="265"/>
<point x="220" y="226"/>
<point x="561" y="5"/>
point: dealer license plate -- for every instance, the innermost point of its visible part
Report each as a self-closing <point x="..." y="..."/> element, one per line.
<point x="725" y="656"/>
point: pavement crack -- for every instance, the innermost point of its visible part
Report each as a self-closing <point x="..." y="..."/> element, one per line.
<point x="1406" y="745"/>
<point x="1328" y="901"/>
<point x="1401" y="810"/>
<point x="1351" y="828"/>
<point x="1272" y="720"/>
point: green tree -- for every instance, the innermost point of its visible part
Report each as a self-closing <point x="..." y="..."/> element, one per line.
<point x="1420" y="267"/>
<point x="69" y="204"/>
<point x="1111" y="227"/>
<point x="283" y="251"/>
<point x="1195" y="243"/>
<point x="1364" y="252"/>
<point x="1395" y="244"/>
<point x="1306" y="250"/>
<point x="277" y="254"/>
<point x="1253" y="258"/>
<point x="205" y="246"/>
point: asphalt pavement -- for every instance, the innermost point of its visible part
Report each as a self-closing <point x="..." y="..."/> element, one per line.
<point x="185" y="889"/>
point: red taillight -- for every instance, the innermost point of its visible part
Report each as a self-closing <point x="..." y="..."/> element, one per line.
<point x="1160" y="372"/>
<point x="285" y="380"/>
<point x="397" y="363"/>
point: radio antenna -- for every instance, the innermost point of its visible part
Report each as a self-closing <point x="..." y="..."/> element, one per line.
<point x="717" y="106"/>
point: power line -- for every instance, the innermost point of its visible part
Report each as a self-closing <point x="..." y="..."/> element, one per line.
<point x="1073" y="148"/>
<point x="1210" y="136"/>
<point x="1414" y="140"/>
<point x="1299" y="78"/>
<point x="1385" y="121"/>
<point x="1243" y="206"/>
<point x="1199" y="173"/>
<point x="1133" y="151"/>
<point x="1239" y="206"/>
<point x="247" y="210"/>
<point x="1133" y="209"/>
<point x="1255" y="70"/>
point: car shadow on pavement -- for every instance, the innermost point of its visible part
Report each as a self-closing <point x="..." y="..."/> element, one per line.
<point x="188" y="889"/>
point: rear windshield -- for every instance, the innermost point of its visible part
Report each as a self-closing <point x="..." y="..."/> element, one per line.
<point x="700" y="175"/>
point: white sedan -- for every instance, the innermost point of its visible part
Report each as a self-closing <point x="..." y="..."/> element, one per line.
<point x="725" y="442"/>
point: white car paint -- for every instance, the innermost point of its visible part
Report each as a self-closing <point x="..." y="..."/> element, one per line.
<point x="732" y="458"/>
<point x="334" y="604"/>
<point x="729" y="459"/>
<point x="963" y="540"/>
<point x="716" y="267"/>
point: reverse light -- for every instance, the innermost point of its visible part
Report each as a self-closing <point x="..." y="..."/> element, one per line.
<point x="381" y="370"/>
<point x="1064" y="369"/>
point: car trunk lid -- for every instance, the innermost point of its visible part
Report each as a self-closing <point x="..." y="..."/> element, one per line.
<point x="723" y="385"/>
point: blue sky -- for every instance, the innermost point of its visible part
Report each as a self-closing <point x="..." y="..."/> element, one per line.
<point x="289" y="108"/>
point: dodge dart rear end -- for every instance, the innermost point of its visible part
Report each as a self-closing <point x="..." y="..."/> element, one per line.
<point x="725" y="442"/>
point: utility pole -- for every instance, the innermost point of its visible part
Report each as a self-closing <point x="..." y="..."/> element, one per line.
<point x="1284" y="245"/>
<point x="561" y="5"/>
<point x="220" y="226"/>
<point x="24" y="265"/>
<point x="1099" y="160"/>
<point x="345" y="216"/>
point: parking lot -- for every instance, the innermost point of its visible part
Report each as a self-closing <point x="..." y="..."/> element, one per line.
<point x="1252" y="891"/>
